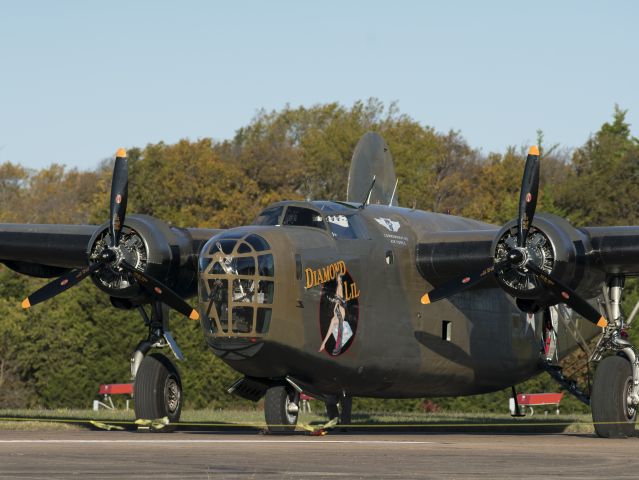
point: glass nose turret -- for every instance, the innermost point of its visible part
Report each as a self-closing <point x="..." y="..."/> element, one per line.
<point x="236" y="285"/>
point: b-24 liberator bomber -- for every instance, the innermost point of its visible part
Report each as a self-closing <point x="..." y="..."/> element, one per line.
<point x="357" y="298"/>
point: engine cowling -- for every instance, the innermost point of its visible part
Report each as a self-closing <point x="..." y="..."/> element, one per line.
<point x="151" y="245"/>
<point x="557" y="248"/>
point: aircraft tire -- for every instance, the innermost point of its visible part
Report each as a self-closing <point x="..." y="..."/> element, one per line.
<point x="158" y="390"/>
<point x="276" y="403"/>
<point x="611" y="415"/>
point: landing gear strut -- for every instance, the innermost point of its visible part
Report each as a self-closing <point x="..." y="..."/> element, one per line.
<point x="157" y="383"/>
<point x="340" y="407"/>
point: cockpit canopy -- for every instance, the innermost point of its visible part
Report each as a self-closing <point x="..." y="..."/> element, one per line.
<point x="340" y="219"/>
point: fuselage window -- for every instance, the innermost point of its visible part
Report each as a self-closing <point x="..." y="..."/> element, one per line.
<point x="265" y="265"/>
<point x="258" y="243"/>
<point x="303" y="217"/>
<point x="270" y="216"/>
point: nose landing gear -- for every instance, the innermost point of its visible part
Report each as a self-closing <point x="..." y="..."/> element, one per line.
<point x="281" y="408"/>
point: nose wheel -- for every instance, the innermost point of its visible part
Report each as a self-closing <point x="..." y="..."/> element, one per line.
<point x="281" y="409"/>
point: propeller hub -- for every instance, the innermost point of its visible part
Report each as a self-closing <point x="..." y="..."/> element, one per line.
<point x="108" y="255"/>
<point x="131" y="249"/>
<point x="514" y="276"/>
<point x="517" y="257"/>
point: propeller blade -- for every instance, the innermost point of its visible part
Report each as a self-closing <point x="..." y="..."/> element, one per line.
<point x="457" y="285"/>
<point x="119" y="196"/>
<point x="161" y="292"/>
<point x="528" y="195"/>
<point x="59" y="285"/>
<point x="569" y="297"/>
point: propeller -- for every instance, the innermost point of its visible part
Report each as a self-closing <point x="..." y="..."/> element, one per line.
<point x="59" y="285"/>
<point x="119" y="196"/>
<point x="528" y="195"/>
<point x="569" y="297"/>
<point x="517" y="258"/>
<point x="457" y="285"/>
<point x="161" y="292"/>
<point x="112" y="256"/>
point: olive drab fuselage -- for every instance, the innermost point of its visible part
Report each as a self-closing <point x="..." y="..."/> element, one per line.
<point x="389" y="344"/>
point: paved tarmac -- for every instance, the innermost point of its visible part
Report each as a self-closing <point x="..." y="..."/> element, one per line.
<point x="97" y="454"/>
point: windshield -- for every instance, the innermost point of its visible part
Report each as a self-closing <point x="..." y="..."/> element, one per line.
<point x="303" y="217"/>
<point x="270" y="216"/>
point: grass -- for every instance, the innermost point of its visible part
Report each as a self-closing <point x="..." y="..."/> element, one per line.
<point x="234" y="420"/>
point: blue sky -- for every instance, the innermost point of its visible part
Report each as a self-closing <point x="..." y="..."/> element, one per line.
<point x="78" y="79"/>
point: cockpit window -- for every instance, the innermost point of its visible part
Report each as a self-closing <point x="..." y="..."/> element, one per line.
<point x="303" y="217"/>
<point x="270" y="216"/>
<point x="340" y="226"/>
<point x="346" y="226"/>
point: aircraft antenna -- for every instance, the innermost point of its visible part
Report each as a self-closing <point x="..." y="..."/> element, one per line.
<point x="370" y="190"/>
<point x="393" y="194"/>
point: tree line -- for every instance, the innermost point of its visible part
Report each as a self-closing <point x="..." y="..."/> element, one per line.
<point x="56" y="356"/>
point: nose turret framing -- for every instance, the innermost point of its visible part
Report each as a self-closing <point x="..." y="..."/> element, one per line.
<point x="236" y="285"/>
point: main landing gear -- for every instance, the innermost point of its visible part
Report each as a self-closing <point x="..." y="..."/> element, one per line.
<point x="157" y="385"/>
<point x="339" y="407"/>
<point x="613" y="412"/>
<point x="614" y="396"/>
<point x="615" y="393"/>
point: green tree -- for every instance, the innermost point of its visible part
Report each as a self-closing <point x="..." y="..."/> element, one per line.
<point x="493" y="194"/>
<point x="185" y="184"/>
<point x="12" y="182"/>
<point x="49" y="195"/>
<point x="603" y="189"/>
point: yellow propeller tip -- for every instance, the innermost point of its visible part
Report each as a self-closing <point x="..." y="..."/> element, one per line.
<point x="534" y="150"/>
<point x="602" y="322"/>
<point x="26" y="303"/>
<point x="121" y="153"/>
<point x="425" y="299"/>
<point x="194" y="315"/>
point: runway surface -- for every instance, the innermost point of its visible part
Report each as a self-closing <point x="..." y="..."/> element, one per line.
<point x="55" y="454"/>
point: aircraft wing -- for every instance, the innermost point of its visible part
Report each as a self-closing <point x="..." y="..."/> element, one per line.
<point x="65" y="246"/>
<point x="44" y="250"/>
<point x="607" y="250"/>
<point x="614" y="250"/>
<point x="447" y="254"/>
<point x="165" y="252"/>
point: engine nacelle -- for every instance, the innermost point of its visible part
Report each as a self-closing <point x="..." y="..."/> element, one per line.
<point x="556" y="247"/>
<point x="151" y="245"/>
